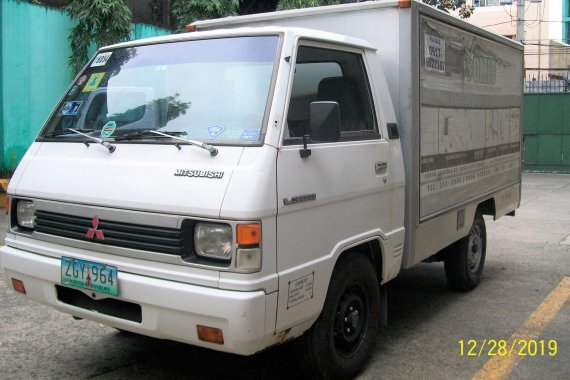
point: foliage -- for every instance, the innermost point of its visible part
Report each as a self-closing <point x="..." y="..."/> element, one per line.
<point x="101" y="22"/>
<point x="293" y="4"/>
<point x="465" y="11"/>
<point x="445" y="5"/>
<point x="186" y="11"/>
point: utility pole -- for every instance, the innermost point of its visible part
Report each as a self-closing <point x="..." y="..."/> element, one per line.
<point x="520" y="20"/>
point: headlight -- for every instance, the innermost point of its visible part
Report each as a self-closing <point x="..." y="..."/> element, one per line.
<point x="213" y="241"/>
<point x="26" y="214"/>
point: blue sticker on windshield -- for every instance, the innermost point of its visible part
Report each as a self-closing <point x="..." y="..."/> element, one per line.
<point x="214" y="131"/>
<point x="108" y="129"/>
<point x="250" y="134"/>
<point x="70" y="108"/>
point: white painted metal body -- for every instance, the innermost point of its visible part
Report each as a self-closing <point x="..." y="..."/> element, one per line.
<point x="354" y="203"/>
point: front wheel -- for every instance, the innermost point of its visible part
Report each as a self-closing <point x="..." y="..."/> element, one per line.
<point x="340" y="341"/>
<point x="464" y="259"/>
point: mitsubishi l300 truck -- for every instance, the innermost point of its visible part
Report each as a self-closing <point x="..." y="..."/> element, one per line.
<point x="262" y="178"/>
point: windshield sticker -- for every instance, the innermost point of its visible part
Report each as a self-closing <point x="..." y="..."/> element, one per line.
<point x="250" y="134"/>
<point x="101" y="59"/>
<point x="73" y="90"/>
<point x="70" y="108"/>
<point x="234" y="133"/>
<point x="93" y="82"/>
<point x="82" y="79"/>
<point x="214" y="131"/>
<point x="108" y="129"/>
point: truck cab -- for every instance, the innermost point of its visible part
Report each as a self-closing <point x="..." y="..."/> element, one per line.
<point x="242" y="242"/>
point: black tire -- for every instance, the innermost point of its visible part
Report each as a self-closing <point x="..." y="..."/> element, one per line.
<point x="339" y="343"/>
<point x="464" y="260"/>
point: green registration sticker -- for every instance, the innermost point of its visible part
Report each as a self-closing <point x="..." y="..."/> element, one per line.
<point x="89" y="275"/>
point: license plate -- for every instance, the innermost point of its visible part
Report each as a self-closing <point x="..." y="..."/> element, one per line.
<point x="89" y="275"/>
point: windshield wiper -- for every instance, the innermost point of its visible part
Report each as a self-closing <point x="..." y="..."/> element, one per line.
<point x="213" y="151"/>
<point x="146" y="133"/>
<point x="110" y="147"/>
<point x="170" y="134"/>
<point x="68" y="131"/>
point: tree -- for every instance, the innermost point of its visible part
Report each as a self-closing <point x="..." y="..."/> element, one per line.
<point x="465" y="11"/>
<point x="293" y="4"/>
<point x="101" y="22"/>
<point x="186" y="11"/>
<point x="445" y="5"/>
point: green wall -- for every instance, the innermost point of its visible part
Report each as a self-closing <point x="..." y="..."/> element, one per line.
<point x="34" y="72"/>
<point x="547" y="132"/>
<point x="146" y="31"/>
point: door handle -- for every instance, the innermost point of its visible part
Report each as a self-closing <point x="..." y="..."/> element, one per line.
<point x="380" y="167"/>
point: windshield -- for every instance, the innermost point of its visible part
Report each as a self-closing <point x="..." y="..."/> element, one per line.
<point x="214" y="90"/>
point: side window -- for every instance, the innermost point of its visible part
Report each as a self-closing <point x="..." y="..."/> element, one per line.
<point x="331" y="75"/>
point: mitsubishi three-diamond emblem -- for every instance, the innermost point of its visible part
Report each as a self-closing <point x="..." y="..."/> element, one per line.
<point x="94" y="232"/>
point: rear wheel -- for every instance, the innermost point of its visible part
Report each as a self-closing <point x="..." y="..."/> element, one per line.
<point x="340" y="341"/>
<point x="464" y="260"/>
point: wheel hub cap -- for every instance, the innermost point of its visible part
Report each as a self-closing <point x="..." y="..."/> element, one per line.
<point x="349" y="324"/>
<point x="475" y="251"/>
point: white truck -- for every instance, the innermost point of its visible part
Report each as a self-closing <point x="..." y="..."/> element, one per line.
<point x="262" y="178"/>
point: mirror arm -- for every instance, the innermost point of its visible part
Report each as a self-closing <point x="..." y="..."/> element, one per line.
<point x="305" y="152"/>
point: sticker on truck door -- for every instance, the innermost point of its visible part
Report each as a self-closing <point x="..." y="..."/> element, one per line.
<point x="300" y="290"/>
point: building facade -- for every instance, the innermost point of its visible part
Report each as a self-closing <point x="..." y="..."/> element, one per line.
<point x="546" y="36"/>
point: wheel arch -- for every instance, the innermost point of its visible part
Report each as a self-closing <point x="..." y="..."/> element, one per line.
<point x="372" y="250"/>
<point x="487" y="207"/>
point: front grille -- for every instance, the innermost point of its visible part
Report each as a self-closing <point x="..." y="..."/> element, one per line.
<point x="109" y="306"/>
<point x="135" y="236"/>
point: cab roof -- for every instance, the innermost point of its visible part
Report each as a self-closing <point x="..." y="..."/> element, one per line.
<point x="291" y="32"/>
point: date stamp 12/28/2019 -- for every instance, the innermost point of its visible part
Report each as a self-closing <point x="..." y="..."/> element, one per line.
<point x="502" y="347"/>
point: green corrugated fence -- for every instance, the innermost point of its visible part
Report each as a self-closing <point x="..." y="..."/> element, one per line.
<point x="547" y="132"/>
<point x="34" y="72"/>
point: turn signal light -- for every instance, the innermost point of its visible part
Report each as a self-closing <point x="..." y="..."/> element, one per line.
<point x="248" y="234"/>
<point x="18" y="286"/>
<point x="190" y="28"/>
<point x="404" y="3"/>
<point x="210" y="334"/>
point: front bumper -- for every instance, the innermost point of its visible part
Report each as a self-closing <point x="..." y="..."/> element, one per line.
<point x="169" y="309"/>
